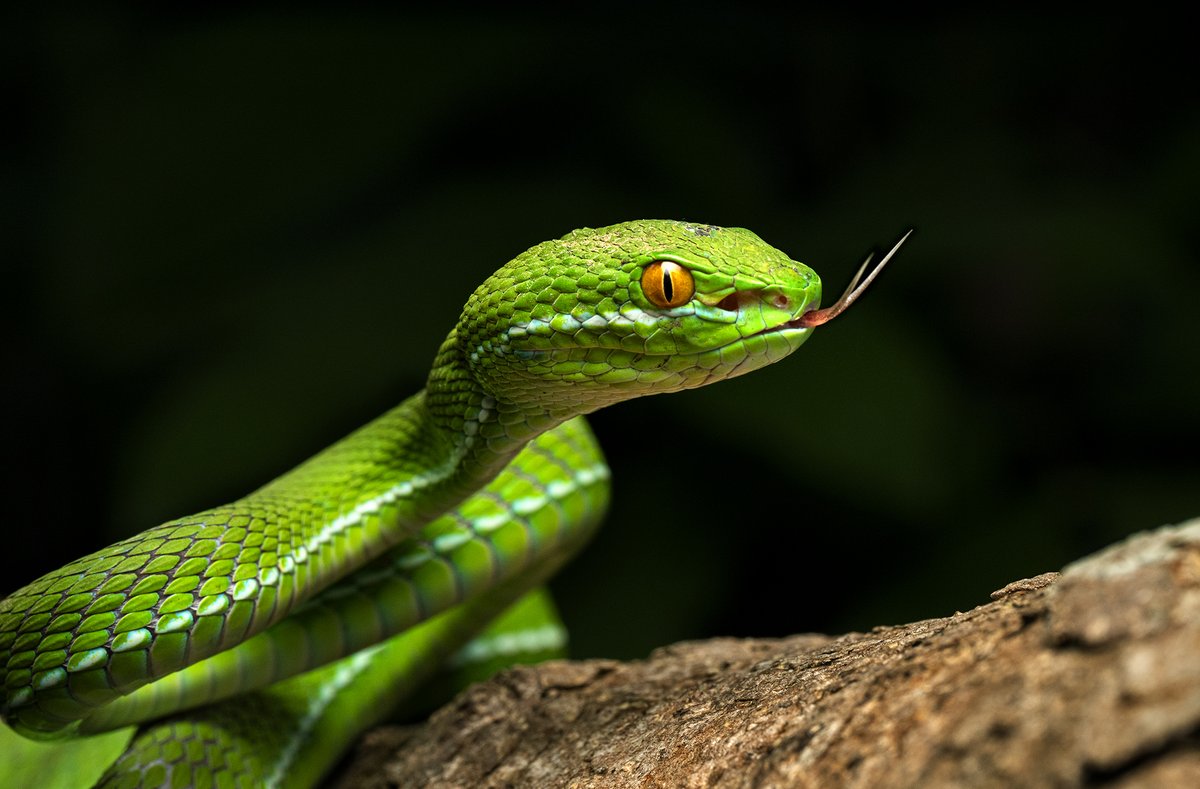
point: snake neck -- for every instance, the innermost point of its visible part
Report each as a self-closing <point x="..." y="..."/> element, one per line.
<point x="484" y="430"/>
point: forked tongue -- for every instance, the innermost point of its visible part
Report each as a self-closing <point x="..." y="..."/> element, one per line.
<point x="853" y="290"/>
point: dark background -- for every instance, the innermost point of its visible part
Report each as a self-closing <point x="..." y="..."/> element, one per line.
<point x="234" y="236"/>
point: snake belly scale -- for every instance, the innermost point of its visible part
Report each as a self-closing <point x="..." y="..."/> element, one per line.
<point x="254" y="641"/>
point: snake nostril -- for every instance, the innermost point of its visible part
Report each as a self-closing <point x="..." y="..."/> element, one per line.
<point x="781" y="301"/>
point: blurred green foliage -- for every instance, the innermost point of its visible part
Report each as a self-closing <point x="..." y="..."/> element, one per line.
<point x="66" y="764"/>
<point x="236" y="235"/>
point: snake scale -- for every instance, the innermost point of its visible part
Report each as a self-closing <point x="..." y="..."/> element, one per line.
<point x="254" y="641"/>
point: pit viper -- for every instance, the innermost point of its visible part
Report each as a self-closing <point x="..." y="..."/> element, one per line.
<point x="253" y="642"/>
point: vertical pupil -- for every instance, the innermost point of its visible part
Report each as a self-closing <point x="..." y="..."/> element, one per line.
<point x="667" y="286"/>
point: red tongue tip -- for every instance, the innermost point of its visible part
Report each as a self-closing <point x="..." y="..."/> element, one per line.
<point x="853" y="290"/>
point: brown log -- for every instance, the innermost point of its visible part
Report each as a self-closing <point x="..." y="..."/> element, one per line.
<point x="1088" y="678"/>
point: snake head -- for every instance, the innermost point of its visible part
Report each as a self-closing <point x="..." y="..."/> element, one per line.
<point x="607" y="314"/>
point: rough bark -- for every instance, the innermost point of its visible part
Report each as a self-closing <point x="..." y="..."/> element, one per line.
<point x="1088" y="678"/>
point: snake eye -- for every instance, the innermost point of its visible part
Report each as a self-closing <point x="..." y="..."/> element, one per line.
<point x="667" y="284"/>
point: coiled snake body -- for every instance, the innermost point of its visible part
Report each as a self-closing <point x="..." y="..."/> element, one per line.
<point x="254" y="641"/>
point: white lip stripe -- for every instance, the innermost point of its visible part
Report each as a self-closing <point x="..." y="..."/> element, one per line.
<point x="627" y="315"/>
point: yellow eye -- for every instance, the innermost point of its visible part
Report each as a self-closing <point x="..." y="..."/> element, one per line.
<point x="667" y="284"/>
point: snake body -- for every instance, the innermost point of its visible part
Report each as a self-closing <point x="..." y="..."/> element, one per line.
<point x="255" y="640"/>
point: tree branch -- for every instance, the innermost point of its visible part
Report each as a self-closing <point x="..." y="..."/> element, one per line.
<point x="1091" y="678"/>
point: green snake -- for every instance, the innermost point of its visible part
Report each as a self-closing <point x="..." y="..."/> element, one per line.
<point x="253" y="642"/>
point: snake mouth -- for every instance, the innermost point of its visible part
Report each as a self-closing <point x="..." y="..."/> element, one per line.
<point x="814" y="316"/>
<point x="737" y="301"/>
<point x="796" y="324"/>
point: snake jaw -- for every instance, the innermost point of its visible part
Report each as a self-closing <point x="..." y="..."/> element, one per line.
<point x="817" y="317"/>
